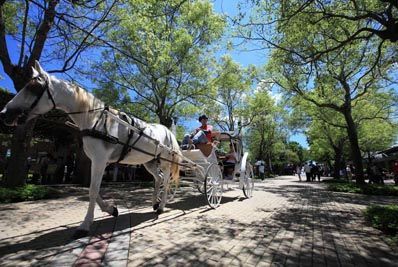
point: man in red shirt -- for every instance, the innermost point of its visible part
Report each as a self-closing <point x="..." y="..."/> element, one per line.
<point x="202" y="134"/>
<point x="205" y="128"/>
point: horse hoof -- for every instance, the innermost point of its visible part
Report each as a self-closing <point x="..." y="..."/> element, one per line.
<point x="115" y="212"/>
<point x="155" y="206"/>
<point x="80" y="233"/>
<point x="159" y="211"/>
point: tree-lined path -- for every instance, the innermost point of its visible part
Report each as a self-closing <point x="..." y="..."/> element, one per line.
<point x="286" y="223"/>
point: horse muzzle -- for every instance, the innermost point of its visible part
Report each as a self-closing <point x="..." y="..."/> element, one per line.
<point x="13" y="117"/>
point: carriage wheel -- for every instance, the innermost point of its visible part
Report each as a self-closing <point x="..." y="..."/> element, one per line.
<point x="173" y="186"/>
<point x="213" y="185"/>
<point x="248" y="182"/>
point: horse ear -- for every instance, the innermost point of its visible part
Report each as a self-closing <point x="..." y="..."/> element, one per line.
<point x="38" y="67"/>
<point x="34" y="73"/>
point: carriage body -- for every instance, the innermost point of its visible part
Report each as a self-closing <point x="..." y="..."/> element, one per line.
<point x="204" y="168"/>
<point x="242" y="169"/>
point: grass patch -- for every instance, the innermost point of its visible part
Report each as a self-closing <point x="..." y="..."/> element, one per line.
<point x="367" y="189"/>
<point x="340" y="181"/>
<point x="384" y="218"/>
<point x="25" y="193"/>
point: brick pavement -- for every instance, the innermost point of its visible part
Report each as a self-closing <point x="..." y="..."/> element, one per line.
<point x="286" y="223"/>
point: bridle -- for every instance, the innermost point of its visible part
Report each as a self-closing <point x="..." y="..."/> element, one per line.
<point x="46" y="88"/>
<point x="39" y="96"/>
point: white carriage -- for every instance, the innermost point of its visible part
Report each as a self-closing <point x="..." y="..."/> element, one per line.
<point x="204" y="167"/>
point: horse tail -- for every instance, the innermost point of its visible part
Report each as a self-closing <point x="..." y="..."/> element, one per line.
<point x="176" y="159"/>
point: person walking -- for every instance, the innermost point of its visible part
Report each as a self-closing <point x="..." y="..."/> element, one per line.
<point x="349" y="173"/>
<point x="261" y="170"/>
<point x="317" y="172"/>
<point x="298" y="171"/>
<point x="313" y="170"/>
<point x="307" y="170"/>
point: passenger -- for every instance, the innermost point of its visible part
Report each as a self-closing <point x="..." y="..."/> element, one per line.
<point x="231" y="158"/>
<point x="202" y="134"/>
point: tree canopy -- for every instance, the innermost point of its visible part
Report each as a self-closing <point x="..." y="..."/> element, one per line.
<point x="167" y="50"/>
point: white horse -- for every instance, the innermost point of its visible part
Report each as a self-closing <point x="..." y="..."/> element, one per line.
<point x="150" y="145"/>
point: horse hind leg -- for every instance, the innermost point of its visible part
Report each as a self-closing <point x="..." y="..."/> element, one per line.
<point x="153" y="168"/>
<point x="105" y="207"/>
<point x="165" y="178"/>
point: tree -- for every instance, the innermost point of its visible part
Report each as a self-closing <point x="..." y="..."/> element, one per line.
<point x="49" y="31"/>
<point x="338" y="80"/>
<point x="264" y="127"/>
<point x="380" y="132"/>
<point x="232" y="84"/>
<point x="327" y="142"/>
<point x="167" y="48"/>
<point x="327" y="130"/>
<point x="361" y="21"/>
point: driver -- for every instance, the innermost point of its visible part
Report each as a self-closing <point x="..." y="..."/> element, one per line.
<point x="202" y="135"/>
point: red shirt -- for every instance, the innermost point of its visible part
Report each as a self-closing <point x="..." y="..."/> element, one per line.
<point x="208" y="129"/>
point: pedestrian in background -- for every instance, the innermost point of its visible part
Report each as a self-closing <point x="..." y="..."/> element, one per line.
<point x="312" y="172"/>
<point x="317" y="172"/>
<point x="307" y="170"/>
<point x="298" y="171"/>
<point x="348" y="172"/>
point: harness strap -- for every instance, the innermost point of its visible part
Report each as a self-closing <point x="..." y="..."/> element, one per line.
<point x="106" y="108"/>
<point x="126" y="147"/>
<point x="100" y="135"/>
<point x="51" y="96"/>
<point x="114" y="140"/>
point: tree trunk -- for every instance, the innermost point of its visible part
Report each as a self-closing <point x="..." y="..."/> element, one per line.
<point x="338" y="153"/>
<point x="166" y="121"/>
<point x="16" y="173"/>
<point x="261" y="152"/>
<point x="270" y="163"/>
<point x="354" y="146"/>
<point x="17" y="167"/>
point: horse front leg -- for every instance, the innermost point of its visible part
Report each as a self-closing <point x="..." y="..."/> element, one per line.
<point x="97" y="171"/>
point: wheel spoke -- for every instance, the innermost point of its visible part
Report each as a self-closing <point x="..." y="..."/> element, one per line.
<point x="213" y="185"/>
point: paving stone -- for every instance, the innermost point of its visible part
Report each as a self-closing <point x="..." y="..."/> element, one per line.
<point x="285" y="223"/>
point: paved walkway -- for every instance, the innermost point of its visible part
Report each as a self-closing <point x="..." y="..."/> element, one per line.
<point x="286" y="223"/>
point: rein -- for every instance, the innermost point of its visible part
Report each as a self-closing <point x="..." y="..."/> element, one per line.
<point x="71" y="113"/>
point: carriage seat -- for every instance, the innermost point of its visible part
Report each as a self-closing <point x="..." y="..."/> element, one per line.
<point x="205" y="148"/>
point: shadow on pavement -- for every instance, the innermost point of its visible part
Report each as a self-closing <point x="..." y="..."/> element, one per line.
<point x="314" y="229"/>
<point x="62" y="237"/>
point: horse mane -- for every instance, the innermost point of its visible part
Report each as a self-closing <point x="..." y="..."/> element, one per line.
<point x="85" y="100"/>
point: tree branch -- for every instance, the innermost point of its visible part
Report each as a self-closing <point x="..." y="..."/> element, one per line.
<point x="4" y="56"/>
<point x="49" y="15"/>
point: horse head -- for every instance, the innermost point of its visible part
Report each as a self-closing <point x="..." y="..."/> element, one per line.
<point x="31" y="100"/>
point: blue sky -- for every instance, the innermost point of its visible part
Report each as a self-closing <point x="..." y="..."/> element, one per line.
<point x="243" y="54"/>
